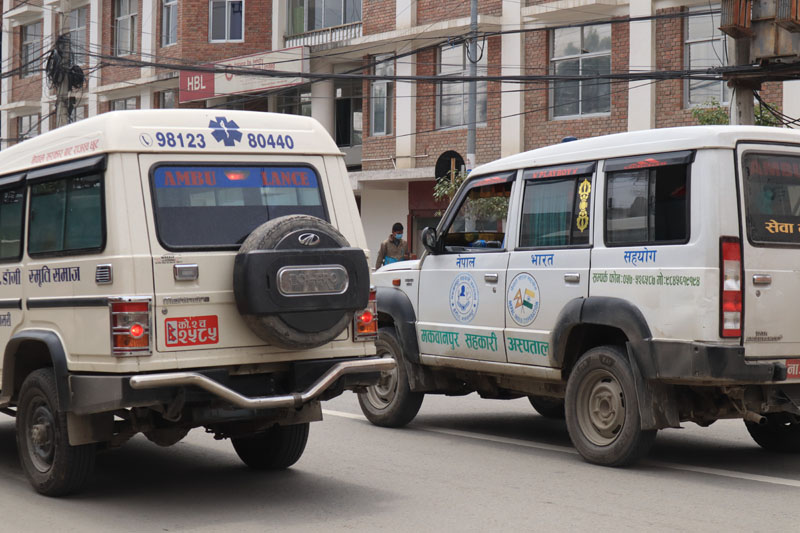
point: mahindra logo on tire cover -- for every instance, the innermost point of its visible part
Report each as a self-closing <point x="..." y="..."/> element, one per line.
<point x="308" y="239"/>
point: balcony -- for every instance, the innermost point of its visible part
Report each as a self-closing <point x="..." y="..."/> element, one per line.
<point x="329" y="35"/>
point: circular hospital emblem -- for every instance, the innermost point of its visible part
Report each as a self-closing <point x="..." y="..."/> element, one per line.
<point x="464" y="298"/>
<point x="523" y="299"/>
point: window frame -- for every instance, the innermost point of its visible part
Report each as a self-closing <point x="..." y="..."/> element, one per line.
<point x="553" y="60"/>
<point x="687" y="163"/>
<point x="30" y="45"/>
<point x="585" y="170"/>
<point x="290" y="24"/>
<point x="127" y="100"/>
<point x="67" y="171"/>
<point x="27" y="134"/>
<point x="169" y="17"/>
<point x="8" y="183"/>
<point x="132" y="18"/>
<point x="77" y="31"/>
<point x="481" y="70"/>
<point x="388" y="100"/>
<point x="228" y="5"/>
<point x="687" y="42"/>
<point x="204" y="163"/>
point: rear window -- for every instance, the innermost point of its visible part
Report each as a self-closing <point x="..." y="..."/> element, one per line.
<point x="215" y="206"/>
<point x="772" y="197"/>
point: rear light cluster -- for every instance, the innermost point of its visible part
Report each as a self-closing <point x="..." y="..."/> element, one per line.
<point x="730" y="265"/>
<point x="365" y="322"/>
<point x="130" y="327"/>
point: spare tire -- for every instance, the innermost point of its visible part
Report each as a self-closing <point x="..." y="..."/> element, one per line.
<point x="297" y="282"/>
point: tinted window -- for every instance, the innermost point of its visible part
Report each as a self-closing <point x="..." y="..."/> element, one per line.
<point x="772" y="195"/>
<point x="66" y="216"/>
<point x="219" y="206"/>
<point x="647" y="206"/>
<point x="555" y="212"/>
<point x="481" y="219"/>
<point x="12" y="203"/>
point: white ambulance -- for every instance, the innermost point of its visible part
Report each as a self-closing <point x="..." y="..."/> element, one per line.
<point x="628" y="283"/>
<point x="165" y="270"/>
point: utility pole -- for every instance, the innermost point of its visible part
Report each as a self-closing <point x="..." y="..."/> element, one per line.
<point x="472" y="101"/>
<point x="62" y="89"/>
<point x="742" y="111"/>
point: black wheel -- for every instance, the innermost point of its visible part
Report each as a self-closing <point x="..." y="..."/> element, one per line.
<point x="53" y="467"/>
<point x="548" y="406"/>
<point x="275" y="449"/>
<point x="602" y="411"/>
<point x="781" y="433"/>
<point x="390" y="403"/>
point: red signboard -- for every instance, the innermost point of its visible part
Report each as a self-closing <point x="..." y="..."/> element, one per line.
<point x="196" y="85"/>
<point x="792" y="368"/>
<point x="191" y="331"/>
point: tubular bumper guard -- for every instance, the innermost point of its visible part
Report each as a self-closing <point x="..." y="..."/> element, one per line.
<point x="295" y="399"/>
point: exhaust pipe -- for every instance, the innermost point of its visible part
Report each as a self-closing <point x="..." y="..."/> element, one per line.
<point x="750" y="416"/>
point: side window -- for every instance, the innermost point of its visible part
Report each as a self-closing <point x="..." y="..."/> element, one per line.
<point x="647" y="206"/>
<point x="481" y="219"/>
<point x="66" y="216"/>
<point x="12" y="204"/>
<point x="555" y="212"/>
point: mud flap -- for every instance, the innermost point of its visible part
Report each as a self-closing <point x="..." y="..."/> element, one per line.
<point x="657" y="408"/>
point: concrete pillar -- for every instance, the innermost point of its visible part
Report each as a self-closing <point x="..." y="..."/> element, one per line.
<point x="5" y="83"/>
<point x="382" y="204"/>
<point x="95" y="40"/>
<point x="146" y="99"/>
<point x="149" y="39"/>
<point x="280" y="18"/>
<point x="642" y="94"/>
<point x="322" y="98"/>
<point x="512" y="98"/>
<point x="405" y="108"/>
<point x="791" y="99"/>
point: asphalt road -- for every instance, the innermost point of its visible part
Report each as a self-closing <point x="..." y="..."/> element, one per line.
<point x="464" y="464"/>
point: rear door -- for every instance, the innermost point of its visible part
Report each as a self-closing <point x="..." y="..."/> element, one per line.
<point x="203" y="209"/>
<point x="770" y="183"/>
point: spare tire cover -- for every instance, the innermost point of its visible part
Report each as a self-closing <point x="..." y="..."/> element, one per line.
<point x="298" y="321"/>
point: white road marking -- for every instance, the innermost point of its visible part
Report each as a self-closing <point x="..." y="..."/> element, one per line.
<point x="564" y="449"/>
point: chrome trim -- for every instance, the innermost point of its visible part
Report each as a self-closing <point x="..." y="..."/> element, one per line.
<point x="104" y="274"/>
<point x="300" y="268"/>
<point x="131" y="352"/>
<point x="296" y="399"/>
<point x="762" y="279"/>
<point x="572" y="277"/>
<point x="491" y="277"/>
<point x="492" y="367"/>
<point x="185" y="272"/>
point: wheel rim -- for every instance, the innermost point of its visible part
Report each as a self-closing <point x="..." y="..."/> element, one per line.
<point x="601" y="407"/>
<point x="381" y="395"/>
<point x="40" y="436"/>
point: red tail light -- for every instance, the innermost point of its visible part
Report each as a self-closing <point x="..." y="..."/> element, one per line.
<point x="130" y="327"/>
<point x="365" y="322"/>
<point x="730" y="273"/>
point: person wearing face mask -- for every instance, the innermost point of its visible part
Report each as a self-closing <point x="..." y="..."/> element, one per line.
<point x="394" y="248"/>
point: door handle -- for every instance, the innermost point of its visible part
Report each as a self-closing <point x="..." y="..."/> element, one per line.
<point x="762" y="279"/>
<point x="491" y="278"/>
<point x="572" y="277"/>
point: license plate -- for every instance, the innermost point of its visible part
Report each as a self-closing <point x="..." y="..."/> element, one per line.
<point x="792" y="368"/>
<point x="316" y="280"/>
<point x="192" y="330"/>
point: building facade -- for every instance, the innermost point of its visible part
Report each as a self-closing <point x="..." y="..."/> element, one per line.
<point x="397" y="136"/>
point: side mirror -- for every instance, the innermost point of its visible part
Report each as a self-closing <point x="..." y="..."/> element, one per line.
<point x="429" y="239"/>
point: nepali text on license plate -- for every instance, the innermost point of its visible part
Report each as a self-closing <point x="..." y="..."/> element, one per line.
<point x="192" y="330"/>
<point x="792" y="368"/>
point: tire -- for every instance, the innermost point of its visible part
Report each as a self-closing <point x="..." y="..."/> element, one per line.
<point x="390" y="403"/>
<point x="277" y="448"/>
<point x="53" y="467"/>
<point x="548" y="407"/>
<point x="602" y="410"/>
<point x="311" y="323"/>
<point x="779" y="434"/>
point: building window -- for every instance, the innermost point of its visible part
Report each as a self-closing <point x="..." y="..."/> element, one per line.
<point x="125" y="27"/>
<point x="122" y="104"/>
<point x="169" y="22"/>
<point x="582" y="51"/>
<point x="31" y="49"/>
<point x="347" y="115"/>
<point x="227" y="19"/>
<point x="76" y="23"/>
<point x="382" y="98"/>
<point x="705" y="48"/>
<point x="295" y="102"/>
<point x="452" y="97"/>
<point x="168" y="99"/>
<point x="310" y="15"/>
<point x="27" y="127"/>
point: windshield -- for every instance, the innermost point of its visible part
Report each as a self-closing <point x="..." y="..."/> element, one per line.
<point x="772" y="195"/>
<point x="219" y="206"/>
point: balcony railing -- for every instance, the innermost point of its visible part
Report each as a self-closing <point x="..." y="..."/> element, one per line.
<point x="325" y="35"/>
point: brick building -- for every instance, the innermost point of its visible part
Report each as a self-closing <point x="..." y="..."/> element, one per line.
<point x="393" y="133"/>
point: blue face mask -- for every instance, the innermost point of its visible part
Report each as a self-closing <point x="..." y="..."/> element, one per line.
<point x="398" y="236"/>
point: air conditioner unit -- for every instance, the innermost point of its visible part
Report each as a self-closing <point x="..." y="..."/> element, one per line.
<point x="736" y="18"/>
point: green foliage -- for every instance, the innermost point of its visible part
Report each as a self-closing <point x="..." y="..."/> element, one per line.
<point x="474" y="208"/>
<point x="712" y="113"/>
